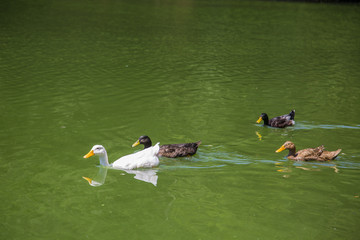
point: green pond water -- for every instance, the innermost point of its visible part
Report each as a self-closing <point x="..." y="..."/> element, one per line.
<point x="78" y="73"/>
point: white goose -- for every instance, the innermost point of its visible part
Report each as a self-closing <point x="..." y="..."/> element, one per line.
<point x="143" y="159"/>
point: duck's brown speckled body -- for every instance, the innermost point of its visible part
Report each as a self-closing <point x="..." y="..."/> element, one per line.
<point x="278" y="122"/>
<point x="171" y="150"/>
<point x="308" y="154"/>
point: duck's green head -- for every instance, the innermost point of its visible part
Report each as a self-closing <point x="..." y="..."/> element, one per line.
<point x="145" y="140"/>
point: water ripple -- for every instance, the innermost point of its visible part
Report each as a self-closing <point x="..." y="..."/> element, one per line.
<point x="307" y="125"/>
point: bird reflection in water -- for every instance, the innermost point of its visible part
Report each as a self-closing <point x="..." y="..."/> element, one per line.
<point x="145" y="175"/>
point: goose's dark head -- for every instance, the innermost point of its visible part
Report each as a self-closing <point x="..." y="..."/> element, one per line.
<point x="145" y="140"/>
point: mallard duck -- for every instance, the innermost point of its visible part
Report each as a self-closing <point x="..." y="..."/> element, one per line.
<point x="170" y="150"/>
<point x="279" y="122"/>
<point x="307" y="154"/>
<point x="146" y="158"/>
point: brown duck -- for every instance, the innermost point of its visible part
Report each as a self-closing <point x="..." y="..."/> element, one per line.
<point x="170" y="150"/>
<point x="278" y="122"/>
<point x="308" y="154"/>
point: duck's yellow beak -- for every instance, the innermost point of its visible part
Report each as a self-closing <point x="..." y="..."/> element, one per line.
<point x="91" y="153"/>
<point x="282" y="148"/>
<point x="87" y="179"/>
<point x="136" y="143"/>
<point x="259" y="120"/>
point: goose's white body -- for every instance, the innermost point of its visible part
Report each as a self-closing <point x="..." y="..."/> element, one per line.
<point x="146" y="158"/>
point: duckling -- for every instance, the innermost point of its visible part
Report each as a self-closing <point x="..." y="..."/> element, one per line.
<point x="308" y="154"/>
<point x="170" y="150"/>
<point x="278" y="122"/>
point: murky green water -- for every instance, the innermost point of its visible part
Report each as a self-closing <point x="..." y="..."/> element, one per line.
<point x="78" y="73"/>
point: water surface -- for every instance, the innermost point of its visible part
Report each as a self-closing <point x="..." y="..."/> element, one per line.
<point x="79" y="73"/>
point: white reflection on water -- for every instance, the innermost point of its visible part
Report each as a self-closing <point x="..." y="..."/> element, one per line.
<point x="145" y="175"/>
<point x="99" y="179"/>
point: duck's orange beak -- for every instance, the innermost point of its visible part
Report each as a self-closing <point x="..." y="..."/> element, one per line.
<point x="136" y="143"/>
<point x="91" y="153"/>
<point x="282" y="148"/>
<point x="87" y="179"/>
<point x="259" y="120"/>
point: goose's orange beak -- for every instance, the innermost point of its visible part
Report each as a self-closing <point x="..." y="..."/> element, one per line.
<point x="91" y="153"/>
<point x="136" y="143"/>
<point x="259" y="120"/>
<point x="282" y="148"/>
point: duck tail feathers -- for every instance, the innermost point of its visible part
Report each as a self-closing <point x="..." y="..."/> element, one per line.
<point x="336" y="153"/>
<point x="156" y="148"/>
